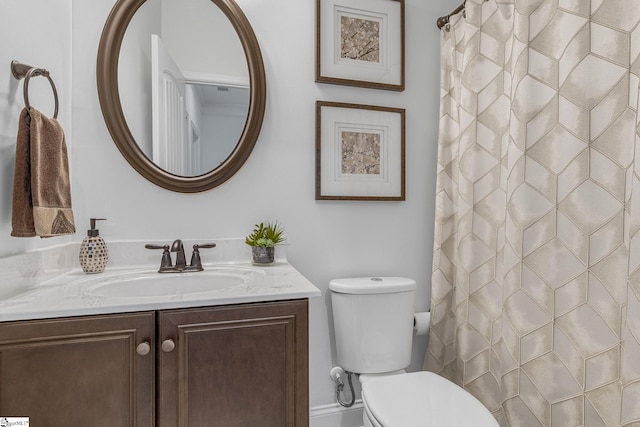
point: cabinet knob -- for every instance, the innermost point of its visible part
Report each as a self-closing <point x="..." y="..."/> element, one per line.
<point x="143" y="348"/>
<point x="168" y="345"/>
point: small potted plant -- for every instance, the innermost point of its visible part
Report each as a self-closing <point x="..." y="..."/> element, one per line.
<point x="263" y="240"/>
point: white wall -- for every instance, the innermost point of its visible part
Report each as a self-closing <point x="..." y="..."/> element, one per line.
<point x="38" y="33"/>
<point x="327" y="239"/>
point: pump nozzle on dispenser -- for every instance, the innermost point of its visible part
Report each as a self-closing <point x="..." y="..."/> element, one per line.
<point x="93" y="232"/>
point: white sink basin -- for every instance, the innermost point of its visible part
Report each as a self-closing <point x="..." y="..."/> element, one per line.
<point x="150" y="284"/>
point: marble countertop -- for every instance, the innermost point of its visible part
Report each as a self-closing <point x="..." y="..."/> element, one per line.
<point x="79" y="294"/>
<point x="122" y="289"/>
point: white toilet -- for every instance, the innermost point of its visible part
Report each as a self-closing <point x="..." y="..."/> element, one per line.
<point x="373" y="323"/>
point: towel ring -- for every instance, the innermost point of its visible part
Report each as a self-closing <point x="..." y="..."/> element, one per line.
<point x="25" y="71"/>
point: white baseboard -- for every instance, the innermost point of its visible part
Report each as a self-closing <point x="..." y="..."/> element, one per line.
<point x="334" y="415"/>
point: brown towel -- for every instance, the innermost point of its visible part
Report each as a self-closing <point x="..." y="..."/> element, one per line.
<point x="41" y="187"/>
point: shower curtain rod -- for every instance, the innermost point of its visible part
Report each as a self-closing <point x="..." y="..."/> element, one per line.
<point x="444" y="20"/>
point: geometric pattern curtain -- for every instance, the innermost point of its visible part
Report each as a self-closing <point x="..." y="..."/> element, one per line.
<point x="536" y="272"/>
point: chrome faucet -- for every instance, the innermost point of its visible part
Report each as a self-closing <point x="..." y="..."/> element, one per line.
<point x="166" y="265"/>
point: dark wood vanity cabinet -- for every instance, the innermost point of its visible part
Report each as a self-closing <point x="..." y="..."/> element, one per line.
<point x="78" y="371"/>
<point x="240" y="365"/>
<point x="234" y="366"/>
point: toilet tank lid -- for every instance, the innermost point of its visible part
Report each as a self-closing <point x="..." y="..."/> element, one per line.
<point x="372" y="285"/>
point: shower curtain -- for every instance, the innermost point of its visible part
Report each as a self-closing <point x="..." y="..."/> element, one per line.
<point x="536" y="281"/>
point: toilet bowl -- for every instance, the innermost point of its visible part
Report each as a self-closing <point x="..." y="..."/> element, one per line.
<point x="420" y="399"/>
<point x="373" y="325"/>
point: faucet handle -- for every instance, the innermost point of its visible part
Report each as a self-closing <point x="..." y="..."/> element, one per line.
<point x="150" y="246"/>
<point x="165" y="263"/>
<point x="204" y="246"/>
<point x="196" y="261"/>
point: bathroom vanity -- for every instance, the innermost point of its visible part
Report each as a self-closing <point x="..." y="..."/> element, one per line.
<point x="73" y="353"/>
<point x="236" y="365"/>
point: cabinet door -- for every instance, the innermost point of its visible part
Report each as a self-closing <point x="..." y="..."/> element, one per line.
<point x="79" y="371"/>
<point x="234" y="366"/>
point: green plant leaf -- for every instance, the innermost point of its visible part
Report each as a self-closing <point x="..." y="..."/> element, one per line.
<point x="266" y="234"/>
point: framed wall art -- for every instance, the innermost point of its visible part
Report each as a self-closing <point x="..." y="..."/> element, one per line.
<point x="360" y="152"/>
<point x="360" y="43"/>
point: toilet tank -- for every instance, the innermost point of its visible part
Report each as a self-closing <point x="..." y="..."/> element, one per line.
<point x="373" y="323"/>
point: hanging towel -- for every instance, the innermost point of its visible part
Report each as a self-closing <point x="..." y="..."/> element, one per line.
<point x="41" y="187"/>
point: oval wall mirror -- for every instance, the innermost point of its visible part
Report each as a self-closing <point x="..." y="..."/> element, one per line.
<point x="182" y="89"/>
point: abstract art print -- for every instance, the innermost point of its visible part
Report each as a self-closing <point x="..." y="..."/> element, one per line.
<point x="359" y="39"/>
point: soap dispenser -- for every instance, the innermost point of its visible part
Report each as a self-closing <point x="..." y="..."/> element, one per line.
<point x="93" y="250"/>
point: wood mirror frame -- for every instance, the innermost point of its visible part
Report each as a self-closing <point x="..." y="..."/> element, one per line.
<point x="109" y="95"/>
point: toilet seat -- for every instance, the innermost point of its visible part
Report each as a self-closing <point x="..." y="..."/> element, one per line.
<point x="369" y="420"/>
<point x="421" y="399"/>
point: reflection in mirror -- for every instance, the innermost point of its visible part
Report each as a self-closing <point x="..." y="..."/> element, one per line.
<point x="184" y="84"/>
<point x="216" y="115"/>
